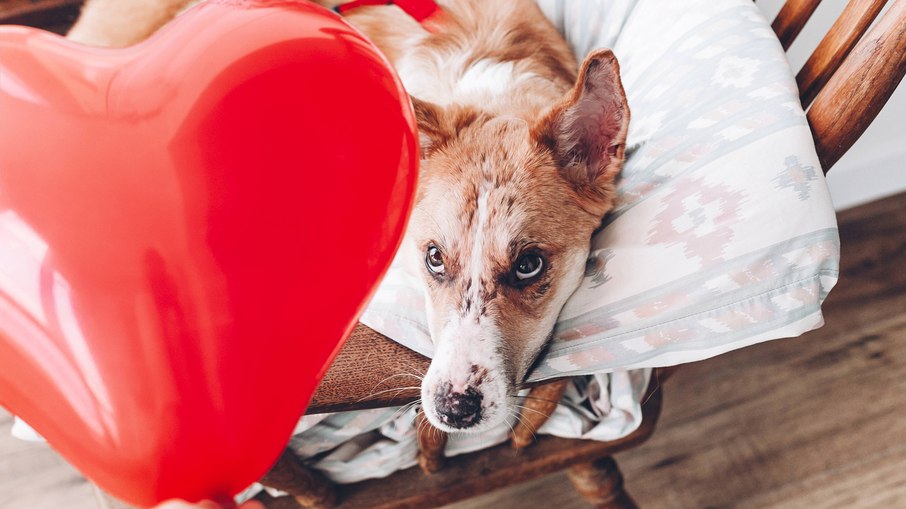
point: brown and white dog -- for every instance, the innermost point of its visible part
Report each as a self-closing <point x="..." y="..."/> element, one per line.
<point x="520" y="148"/>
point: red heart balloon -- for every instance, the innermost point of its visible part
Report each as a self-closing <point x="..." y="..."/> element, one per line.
<point x="188" y="230"/>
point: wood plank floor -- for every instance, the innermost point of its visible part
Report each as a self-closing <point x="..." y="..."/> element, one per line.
<point x="813" y="422"/>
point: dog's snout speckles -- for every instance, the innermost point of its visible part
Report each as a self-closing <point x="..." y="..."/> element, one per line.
<point x="477" y="374"/>
<point x="458" y="409"/>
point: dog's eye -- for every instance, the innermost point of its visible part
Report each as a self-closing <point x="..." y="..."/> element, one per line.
<point x="529" y="266"/>
<point x="434" y="260"/>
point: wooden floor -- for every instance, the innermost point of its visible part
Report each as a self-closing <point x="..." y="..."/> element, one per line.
<point x="813" y="422"/>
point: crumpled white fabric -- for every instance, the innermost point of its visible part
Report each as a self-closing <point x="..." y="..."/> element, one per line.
<point x="376" y="443"/>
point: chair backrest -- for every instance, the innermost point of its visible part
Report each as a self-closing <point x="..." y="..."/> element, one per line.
<point x="851" y="74"/>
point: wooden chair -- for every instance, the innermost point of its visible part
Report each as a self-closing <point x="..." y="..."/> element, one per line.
<point x="844" y="84"/>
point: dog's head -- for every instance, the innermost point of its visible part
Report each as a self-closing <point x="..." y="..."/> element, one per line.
<point x="501" y="231"/>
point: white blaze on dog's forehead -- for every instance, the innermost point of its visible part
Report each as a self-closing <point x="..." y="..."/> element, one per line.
<point x="490" y="76"/>
<point x="479" y="230"/>
<point x="440" y="213"/>
<point x="444" y="79"/>
<point x="427" y="75"/>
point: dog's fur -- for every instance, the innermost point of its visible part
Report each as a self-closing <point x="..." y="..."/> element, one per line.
<point x="520" y="149"/>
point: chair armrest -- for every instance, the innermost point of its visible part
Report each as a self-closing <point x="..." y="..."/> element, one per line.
<point x="372" y="371"/>
<point x="367" y="374"/>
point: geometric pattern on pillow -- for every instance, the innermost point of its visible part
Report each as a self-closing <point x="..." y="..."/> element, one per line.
<point x="724" y="234"/>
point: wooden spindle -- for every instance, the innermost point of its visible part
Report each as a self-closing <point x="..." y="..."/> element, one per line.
<point x="601" y="483"/>
<point x="537" y="409"/>
<point x="309" y="488"/>
<point x="861" y="86"/>
<point x="835" y="46"/>
<point x="431" y="445"/>
<point x="791" y="18"/>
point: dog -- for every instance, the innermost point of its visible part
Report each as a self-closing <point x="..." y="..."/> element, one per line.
<point x="520" y="148"/>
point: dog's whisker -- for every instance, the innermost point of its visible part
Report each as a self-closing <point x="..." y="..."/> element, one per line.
<point x="565" y="404"/>
<point x="525" y="425"/>
<point x="521" y="407"/>
<point x="397" y="390"/>
<point x="418" y="428"/>
<point x="509" y="425"/>
<point x="403" y="409"/>
<point x="535" y="399"/>
<point x="406" y="373"/>
<point x="571" y="405"/>
<point x="415" y="370"/>
<point x="657" y="387"/>
<point x="394" y="376"/>
<point x="412" y="370"/>
<point x="518" y="405"/>
<point x="423" y="425"/>
<point x="398" y="413"/>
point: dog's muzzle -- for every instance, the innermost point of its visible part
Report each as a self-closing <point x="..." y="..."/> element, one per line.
<point x="458" y="409"/>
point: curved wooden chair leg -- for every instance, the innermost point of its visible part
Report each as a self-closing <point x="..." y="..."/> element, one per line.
<point x="601" y="483"/>
<point x="269" y="502"/>
<point x="309" y="488"/>
<point x="431" y="445"/>
<point x="537" y="409"/>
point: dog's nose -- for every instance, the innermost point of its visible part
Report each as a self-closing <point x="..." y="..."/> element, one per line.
<point x="458" y="409"/>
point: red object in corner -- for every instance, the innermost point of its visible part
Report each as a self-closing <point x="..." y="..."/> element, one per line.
<point x="421" y="10"/>
<point x="189" y="229"/>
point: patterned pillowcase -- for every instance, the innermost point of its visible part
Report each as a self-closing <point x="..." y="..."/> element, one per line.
<point x="724" y="234"/>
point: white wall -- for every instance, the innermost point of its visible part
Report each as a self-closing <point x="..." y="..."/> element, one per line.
<point x="876" y="165"/>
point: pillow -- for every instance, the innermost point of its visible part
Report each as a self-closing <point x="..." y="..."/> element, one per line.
<point x="724" y="234"/>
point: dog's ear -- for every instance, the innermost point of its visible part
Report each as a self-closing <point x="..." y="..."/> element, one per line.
<point x="433" y="128"/>
<point x="587" y="130"/>
<point x="437" y="124"/>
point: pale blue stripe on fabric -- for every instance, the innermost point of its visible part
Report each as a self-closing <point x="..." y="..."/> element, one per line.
<point x="697" y="313"/>
<point x="695" y="280"/>
<point x="637" y="359"/>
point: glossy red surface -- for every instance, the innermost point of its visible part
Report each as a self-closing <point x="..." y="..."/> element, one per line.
<point x="188" y="230"/>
